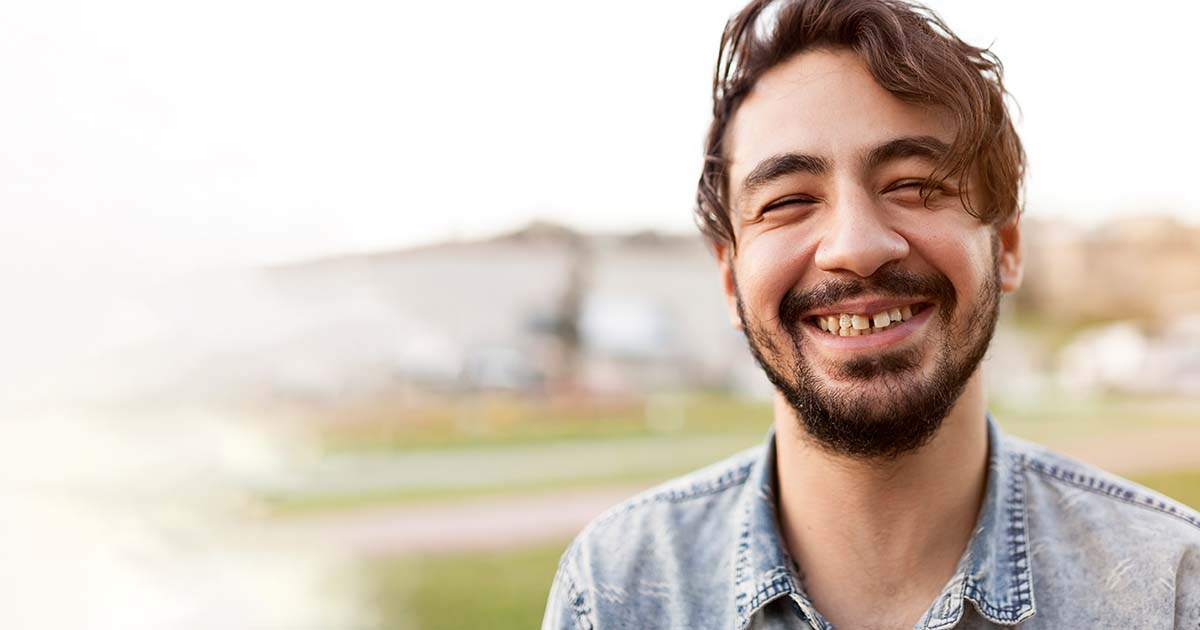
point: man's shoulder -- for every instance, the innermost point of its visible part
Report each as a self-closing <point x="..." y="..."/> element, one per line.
<point x="692" y="516"/>
<point x="1105" y="504"/>
<point x="707" y="493"/>
<point x="665" y="554"/>
<point x="1090" y="532"/>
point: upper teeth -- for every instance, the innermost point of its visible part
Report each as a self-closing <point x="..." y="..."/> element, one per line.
<point x="853" y="324"/>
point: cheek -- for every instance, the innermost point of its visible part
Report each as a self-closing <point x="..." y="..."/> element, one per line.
<point x="965" y="257"/>
<point x="767" y="269"/>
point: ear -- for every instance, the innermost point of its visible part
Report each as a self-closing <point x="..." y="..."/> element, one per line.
<point x="725" y="266"/>
<point x="1010" y="262"/>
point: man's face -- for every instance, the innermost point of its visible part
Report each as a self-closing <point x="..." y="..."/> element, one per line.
<point x="832" y="235"/>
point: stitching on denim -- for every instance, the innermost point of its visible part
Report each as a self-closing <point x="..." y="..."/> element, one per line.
<point x="953" y="612"/>
<point x="773" y="584"/>
<point x="769" y="586"/>
<point x="699" y="488"/>
<point x="1025" y="587"/>
<point x="770" y="591"/>
<point x="1018" y="542"/>
<point x="578" y="601"/>
<point x="725" y="481"/>
<point x="752" y="592"/>
<point x="1111" y="489"/>
<point x="977" y="597"/>
<point x="1016" y="531"/>
<point x="739" y="572"/>
<point x="941" y="623"/>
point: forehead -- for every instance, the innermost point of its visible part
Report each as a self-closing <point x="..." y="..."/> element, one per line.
<point x="823" y="103"/>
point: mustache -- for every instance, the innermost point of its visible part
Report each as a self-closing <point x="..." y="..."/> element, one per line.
<point x="895" y="282"/>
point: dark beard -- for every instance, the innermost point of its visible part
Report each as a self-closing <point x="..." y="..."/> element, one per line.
<point x="844" y="422"/>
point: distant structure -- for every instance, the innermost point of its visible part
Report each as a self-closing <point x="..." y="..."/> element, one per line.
<point x="546" y="310"/>
<point x="1144" y="268"/>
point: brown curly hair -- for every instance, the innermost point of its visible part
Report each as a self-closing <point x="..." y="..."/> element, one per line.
<point x="910" y="52"/>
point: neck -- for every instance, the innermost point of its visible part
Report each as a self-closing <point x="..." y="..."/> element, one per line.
<point x="890" y="531"/>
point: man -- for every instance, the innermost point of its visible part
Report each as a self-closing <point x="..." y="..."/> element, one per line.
<point x="861" y="195"/>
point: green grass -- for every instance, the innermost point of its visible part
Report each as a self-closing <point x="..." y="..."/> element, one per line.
<point x="1054" y="420"/>
<point x="495" y="590"/>
<point x="508" y="589"/>
<point x="410" y="477"/>
<point x="506" y="421"/>
<point x="1181" y="486"/>
<point x="644" y="442"/>
<point x="302" y="504"/>
<point x="500" y="421"/>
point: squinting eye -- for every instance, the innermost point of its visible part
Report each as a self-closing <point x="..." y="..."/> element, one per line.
<point x="909" y="185"/>
<point x="909" y="191"/>
<point x="789" y="201"/>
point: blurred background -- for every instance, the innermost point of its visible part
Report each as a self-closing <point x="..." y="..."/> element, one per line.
<point x="350" y="315"/>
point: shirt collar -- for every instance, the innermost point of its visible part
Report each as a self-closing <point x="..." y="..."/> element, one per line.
<point x="994" y="573"/>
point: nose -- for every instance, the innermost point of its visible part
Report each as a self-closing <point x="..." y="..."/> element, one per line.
<point x="859" y="238"/>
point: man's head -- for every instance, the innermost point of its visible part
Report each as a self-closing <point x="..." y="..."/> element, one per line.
<point x="861" y="164"/>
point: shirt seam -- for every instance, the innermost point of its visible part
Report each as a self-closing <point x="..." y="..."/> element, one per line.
<point x="1016" y="510"/>
<point x="1126" y="495"/>
<point x="577" y="597"/>
<point x="726" y="480"/>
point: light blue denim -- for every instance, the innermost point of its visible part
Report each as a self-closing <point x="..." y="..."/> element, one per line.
<point x="1058" y="545"/>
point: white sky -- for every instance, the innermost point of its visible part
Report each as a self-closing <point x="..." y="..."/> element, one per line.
<point x="147" y="137"/>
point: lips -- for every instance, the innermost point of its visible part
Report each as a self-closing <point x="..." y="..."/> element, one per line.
<point x="852" y="342"/>
<point x="871" y="302"/>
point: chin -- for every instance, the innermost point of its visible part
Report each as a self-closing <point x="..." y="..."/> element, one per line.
<point x="890" y="370"/>
<point x="882" y="410"/>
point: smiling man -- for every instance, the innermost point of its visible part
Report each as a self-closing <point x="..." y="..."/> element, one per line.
<point x="861" y="195"/>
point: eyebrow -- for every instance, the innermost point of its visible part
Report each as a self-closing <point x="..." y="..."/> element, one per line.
<point x="782" y="165"/>
<point x="927" y="147"/>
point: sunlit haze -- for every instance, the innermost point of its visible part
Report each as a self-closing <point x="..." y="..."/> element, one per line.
<point x="151" y="137"/>
<point x="155" y="155"/>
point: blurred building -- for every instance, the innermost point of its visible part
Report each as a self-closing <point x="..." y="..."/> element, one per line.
<point x="547" y="310"/>
<point x="1122" y="357"/>
<point x="1144" y="267"/>
<point x="540" y="310"/>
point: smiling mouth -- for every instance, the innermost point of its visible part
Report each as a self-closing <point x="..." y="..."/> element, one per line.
<point x="857" y="324"/>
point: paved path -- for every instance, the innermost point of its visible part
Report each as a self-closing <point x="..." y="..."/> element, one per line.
<point x="488" y="523"/>
<point x="500" y="522"/>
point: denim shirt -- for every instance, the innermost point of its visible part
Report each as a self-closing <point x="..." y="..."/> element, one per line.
<point x="1058" y="545"/>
